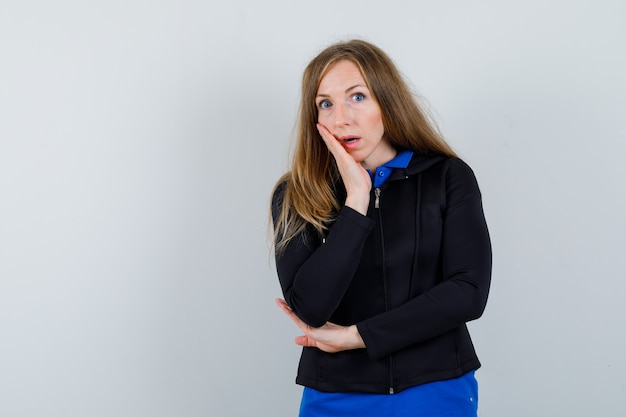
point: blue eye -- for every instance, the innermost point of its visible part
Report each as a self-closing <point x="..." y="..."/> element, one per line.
<point x="358" y="97"/>
<point x="324" y="104"/>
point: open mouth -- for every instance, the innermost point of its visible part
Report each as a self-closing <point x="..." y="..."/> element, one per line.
<point x="350" y="140"/>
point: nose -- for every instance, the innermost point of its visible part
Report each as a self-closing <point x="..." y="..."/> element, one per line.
<point x="343" y="115"/>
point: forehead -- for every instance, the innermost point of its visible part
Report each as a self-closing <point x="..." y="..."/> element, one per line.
<point x="339" y="76"/>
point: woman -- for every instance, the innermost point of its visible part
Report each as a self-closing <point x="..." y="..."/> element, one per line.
<point x="382" y="250"/>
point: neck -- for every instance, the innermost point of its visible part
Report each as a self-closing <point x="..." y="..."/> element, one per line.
<point x="385" y="154"/>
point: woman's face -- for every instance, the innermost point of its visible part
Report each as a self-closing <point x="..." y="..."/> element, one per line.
<point x="349" y="111"/>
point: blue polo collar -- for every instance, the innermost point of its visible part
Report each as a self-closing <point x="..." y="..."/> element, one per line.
<point x="383" y="172"/>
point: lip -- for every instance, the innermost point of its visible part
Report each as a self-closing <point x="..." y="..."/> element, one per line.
<point x="349" y="141"/>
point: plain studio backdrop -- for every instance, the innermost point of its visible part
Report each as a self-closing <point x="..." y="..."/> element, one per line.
<point x="140" y="141"/>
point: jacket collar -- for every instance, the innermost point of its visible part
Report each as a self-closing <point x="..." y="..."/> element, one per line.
<point x="419" y="162"/>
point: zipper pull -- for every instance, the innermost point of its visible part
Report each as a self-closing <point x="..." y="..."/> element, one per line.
<point x="391" y="391"/>
<point x="377" y="200"/>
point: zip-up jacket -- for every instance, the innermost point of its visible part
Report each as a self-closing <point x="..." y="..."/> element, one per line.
<point x="409" y="274"/>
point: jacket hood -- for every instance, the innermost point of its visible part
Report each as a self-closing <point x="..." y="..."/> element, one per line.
<point x="419" y="162"/>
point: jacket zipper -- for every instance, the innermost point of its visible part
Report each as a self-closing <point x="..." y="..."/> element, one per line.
<point x="385" y="289"/>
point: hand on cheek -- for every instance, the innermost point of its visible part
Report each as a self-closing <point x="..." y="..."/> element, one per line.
<point x="355" y="178"/>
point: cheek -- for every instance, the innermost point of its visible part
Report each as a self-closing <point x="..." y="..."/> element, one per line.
<point x="375" y="121"/>
<point x="373" y="116"/>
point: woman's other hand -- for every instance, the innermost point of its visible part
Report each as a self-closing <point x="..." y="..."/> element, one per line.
<point x="329" y="338"/>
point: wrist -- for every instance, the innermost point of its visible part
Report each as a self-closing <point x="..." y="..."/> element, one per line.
<point x="355" y="340"/>
<point x="358" y="203"/>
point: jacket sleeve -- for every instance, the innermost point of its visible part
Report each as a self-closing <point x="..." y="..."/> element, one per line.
<point x="466" y="268"/>
<point x="314" y="276"/>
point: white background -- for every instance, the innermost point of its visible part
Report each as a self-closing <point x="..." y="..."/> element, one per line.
<point x="139" y="143"/>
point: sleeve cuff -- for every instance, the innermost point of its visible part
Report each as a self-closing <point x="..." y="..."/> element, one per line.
<point x="371" y="347"/>
<point x="349" y="214"/>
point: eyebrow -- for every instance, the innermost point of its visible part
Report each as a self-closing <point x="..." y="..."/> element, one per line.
<point x="347" y="90"/>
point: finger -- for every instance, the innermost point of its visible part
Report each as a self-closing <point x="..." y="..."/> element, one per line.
<point x="284" y="307"/>
<point x="289" y="312"/>
<point x="324" y="132"/>
<point x="305" y="341"/>
<point x="282" y="303"/>
<point x="331" y="142"/>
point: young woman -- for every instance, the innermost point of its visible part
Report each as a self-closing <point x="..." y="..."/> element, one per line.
<point x="382" y="249"/>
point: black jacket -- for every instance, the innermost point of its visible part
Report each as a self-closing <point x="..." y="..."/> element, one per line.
<point x="410" y="274"/>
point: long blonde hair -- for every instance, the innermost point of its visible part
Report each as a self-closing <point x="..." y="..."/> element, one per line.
<point x="311" y="194"/>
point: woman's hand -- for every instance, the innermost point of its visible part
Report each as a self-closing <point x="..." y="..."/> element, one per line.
<point x="330" y="337"/>
<point x="355" y="178"/>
